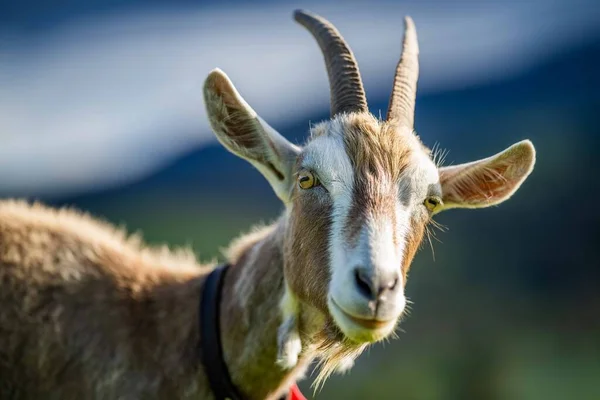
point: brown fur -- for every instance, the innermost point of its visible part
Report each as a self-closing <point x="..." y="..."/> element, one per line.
<point x="379" y="154"/>
<point x="307" y="245"/>
<point x="251" y="316"/>
<point x="379" y="148"/>
<point x="86" y="312"/>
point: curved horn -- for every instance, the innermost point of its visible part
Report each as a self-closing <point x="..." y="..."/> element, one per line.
<point x="404" y="92"/>
<point x="347" y="92"/>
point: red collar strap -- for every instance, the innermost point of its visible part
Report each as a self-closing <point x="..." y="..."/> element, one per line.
<point x="295" y="393"/>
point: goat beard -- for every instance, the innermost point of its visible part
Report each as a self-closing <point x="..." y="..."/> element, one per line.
<point x="336" y="352"/>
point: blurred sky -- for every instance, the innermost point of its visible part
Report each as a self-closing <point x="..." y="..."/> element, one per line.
<point x="99" y="95"/>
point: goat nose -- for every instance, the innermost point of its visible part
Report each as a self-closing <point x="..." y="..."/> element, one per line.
<point x="372" y="287"/>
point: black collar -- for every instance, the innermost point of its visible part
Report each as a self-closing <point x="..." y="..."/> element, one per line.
<point x="211" y="352"/>
<point x="210" y="348"/>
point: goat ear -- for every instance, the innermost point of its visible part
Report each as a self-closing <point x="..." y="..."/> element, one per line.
<point x="245" y="134"/>
<point x="489" y="181"/>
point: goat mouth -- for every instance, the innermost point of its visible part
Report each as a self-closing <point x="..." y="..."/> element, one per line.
<point x="367" y="323"/>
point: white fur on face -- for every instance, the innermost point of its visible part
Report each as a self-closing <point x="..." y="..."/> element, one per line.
<point x="327" y="156"/>
<point x="421" y="174"/>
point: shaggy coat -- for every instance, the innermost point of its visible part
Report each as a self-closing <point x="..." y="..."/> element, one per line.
<point x="89" y="313"/>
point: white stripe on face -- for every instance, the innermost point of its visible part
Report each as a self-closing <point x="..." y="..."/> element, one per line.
<point x="376" y="247"/>
<point x="327" y="156"/>
<point x="379" y="246"/>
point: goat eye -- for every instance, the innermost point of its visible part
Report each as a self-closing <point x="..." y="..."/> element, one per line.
<point x="432" y="202"/>
<point x="307" y="180"/>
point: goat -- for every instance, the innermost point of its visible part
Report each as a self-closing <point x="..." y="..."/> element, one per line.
<point x="87" y="312"/>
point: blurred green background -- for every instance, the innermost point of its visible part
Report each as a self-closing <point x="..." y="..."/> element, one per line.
<point x="509" y="309"/>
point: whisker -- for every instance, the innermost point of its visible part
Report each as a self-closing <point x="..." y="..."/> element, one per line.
<point x="439" y="154"/>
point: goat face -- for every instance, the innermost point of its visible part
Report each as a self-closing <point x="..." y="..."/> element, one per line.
<point x="361" y="192"/>
<point x="358" y="212"/>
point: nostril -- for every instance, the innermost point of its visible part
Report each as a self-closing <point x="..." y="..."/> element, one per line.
<point x="363" y="283"/>
<point x="391" y="286"/>
<point x="394" y="284"/>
